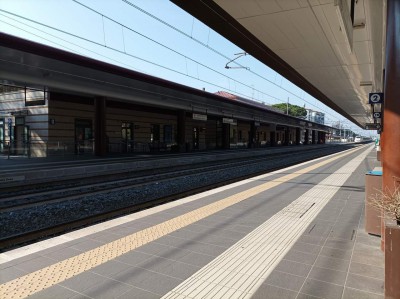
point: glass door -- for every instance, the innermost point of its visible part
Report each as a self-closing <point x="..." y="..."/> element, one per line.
<point x="127" y="137"/>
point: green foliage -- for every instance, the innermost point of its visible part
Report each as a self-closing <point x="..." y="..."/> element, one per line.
<point x="294" y="110"/>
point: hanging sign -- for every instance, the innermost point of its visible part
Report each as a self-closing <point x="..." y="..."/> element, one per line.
<point x="377" y="115"/>
<point x="375" y="98"/>
<point x="372" y="126"/>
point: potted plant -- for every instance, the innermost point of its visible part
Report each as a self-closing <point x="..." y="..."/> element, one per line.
<point x="389" y="203"/>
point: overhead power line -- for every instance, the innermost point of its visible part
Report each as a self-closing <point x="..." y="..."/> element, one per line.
<point x="218" y="53"/>
<point x="64" y="40"/>
<point x="125" y="53"/>
<point x="147" y="61"/>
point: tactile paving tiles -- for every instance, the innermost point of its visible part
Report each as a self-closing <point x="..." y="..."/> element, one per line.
<point x="44" y="278"/>
<point x="241" y="269"/>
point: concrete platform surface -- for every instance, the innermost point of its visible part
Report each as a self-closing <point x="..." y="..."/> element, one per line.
<point x="293" y="233"/>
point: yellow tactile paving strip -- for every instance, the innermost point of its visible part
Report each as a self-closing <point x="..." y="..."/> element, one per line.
<point x="241" y="269"/>
<point x="61" y="271"/>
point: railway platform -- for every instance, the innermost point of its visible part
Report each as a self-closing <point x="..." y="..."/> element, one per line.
<point x="293" y="233"/>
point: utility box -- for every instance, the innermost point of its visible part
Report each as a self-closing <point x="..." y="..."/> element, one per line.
<point x="373" y="186"/>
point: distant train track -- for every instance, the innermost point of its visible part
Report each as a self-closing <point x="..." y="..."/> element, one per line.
<point x="64" y="194"/>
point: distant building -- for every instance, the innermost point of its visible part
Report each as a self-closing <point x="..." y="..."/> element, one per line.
<point x="316" y="116"/>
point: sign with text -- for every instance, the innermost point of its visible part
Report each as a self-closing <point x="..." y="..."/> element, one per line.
<point x="375" y="98"/>
<point x="229" y="121"/>
<point x="19" y="113"/>
<point x="200" y="116"/>
<point x="372" y="126"/>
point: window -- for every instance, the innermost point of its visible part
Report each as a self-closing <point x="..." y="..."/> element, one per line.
<point x="168" y="134"/>
<point x="35" y="97"/>
<point x="20" y="121"/>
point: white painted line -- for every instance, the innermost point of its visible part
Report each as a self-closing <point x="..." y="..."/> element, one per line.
<point x="242" y="268"/>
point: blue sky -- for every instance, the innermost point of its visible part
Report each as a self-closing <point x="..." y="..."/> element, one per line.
<point x="191" y="54"/>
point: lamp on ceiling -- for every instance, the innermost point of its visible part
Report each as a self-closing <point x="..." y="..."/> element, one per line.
<point x="365" y="83"/>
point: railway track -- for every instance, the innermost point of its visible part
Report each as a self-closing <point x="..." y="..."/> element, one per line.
<point x="49" y="203"/>
<point x="56" y="193"/>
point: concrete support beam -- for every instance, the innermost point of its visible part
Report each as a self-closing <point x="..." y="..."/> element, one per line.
<point x="297" y="136"/>
<point x="252" y="137"/>
<point x="226" y="134"/>
<point x="181" y="130"/>
<point x="100" y="138"/>
<point x="306" y="136"/>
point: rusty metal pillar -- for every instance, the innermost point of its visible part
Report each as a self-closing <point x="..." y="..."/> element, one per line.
<point x="391" y="114"/>
<point x="391" y="138"/>
<point x="100" y="146"/>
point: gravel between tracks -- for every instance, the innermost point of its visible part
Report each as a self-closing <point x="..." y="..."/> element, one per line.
<point x="29" y="219"/>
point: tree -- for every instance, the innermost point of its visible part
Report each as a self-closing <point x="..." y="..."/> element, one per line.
<point x="294" y="110"/>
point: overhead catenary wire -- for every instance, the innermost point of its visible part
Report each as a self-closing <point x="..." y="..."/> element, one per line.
<point x="150" y="62"/>
<point x="147" y="61"/>
<point x="217" y="52"/>
<point x="64" y="40"/>
<point x="103" y="82"/>
<point x="203" y="44"/>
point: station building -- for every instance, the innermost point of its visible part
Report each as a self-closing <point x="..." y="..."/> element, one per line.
<point x="70" y="104"/>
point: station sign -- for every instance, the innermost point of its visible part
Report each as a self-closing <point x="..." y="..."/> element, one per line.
<point x="372" y="126"/>
<point x="377" y="115"/>
<point x="197" y="116"/>
<point x="19" y="113"/>
<point x="230" y="121"/>
<point x="375" y="98"/>
<point x="256" y="123"/>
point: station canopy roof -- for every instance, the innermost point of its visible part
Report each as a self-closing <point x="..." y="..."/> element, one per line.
<point x="332" y="49"/>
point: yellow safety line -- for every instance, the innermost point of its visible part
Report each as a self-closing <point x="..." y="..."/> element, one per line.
<point x="44" y="278"/>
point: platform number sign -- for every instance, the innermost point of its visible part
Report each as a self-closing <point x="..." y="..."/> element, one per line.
<point x="376" y="98"/>
<point x="377" y="115"/>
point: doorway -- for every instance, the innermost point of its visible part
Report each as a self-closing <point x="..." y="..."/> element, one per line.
<point x="83" y="136"/>
<point x="127" y="137"/>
